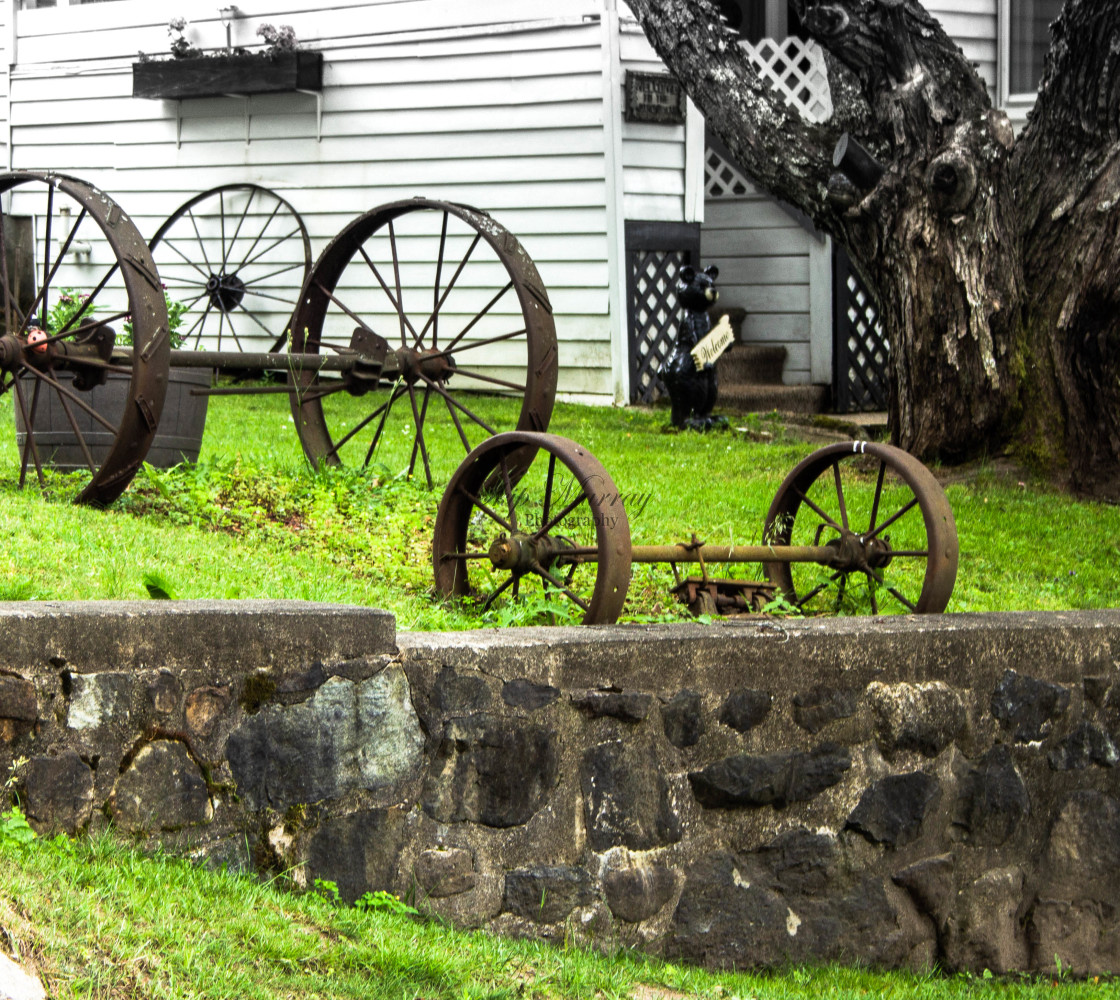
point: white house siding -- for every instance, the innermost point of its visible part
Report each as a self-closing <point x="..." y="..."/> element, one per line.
<point x="654" y="157"/>
<point x="972" y="25"/>
<point x="765" y="261"/>
<point x="5" y="43"/>
<point x="498" y="105"/>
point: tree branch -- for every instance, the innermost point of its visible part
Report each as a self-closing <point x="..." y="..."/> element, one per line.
<point x="782" y="152"/>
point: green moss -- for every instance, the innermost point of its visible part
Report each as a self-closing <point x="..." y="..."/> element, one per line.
<point x="257" y="689"/>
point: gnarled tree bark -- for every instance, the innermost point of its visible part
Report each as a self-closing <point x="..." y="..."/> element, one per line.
<point x="994" y="260"/>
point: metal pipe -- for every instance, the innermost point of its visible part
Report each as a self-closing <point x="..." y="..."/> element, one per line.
<point x="682" y="553"/>
<point x="279" y="361"/>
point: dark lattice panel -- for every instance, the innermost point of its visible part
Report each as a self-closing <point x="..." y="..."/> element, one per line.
<point x="861" y="345"/>
<point x="655" y="318"/>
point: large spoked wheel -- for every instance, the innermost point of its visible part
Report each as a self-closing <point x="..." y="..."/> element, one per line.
<point x="235" y="257"/>
<point x="557" y="532"/>
<point x="76" y="277"/>
<point x="469" y="328"/>
<point x="887" y="520"/>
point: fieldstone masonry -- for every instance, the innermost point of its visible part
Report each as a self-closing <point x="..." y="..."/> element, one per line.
<point x="902" y="792"/>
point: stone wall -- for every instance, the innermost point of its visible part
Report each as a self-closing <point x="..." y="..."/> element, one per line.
<point x="901" y="792"/>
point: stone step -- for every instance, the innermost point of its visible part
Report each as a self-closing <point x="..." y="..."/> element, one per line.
<point x="753" y="364"/>
<point x="754" y="398"/>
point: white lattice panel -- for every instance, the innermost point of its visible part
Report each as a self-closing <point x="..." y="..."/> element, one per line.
<point x="723" y="179"/>
<point x="796" y="69"/>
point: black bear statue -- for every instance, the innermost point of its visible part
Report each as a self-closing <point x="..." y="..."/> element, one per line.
<point x="693" y="389"/>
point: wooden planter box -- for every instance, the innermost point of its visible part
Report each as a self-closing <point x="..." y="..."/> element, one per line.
<point x="213" y="76"/>
<point x="178" y="435"/>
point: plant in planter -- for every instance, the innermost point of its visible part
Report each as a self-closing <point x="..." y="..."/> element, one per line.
<point x="191" y="72"/>
<point x="179" y="434"/>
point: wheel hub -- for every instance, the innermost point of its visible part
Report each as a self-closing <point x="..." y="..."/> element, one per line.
<point x="226" y="291"/>
<point x="857" y="552"/>
<point x="520" y="553"/>
<point x="433" y="365"/>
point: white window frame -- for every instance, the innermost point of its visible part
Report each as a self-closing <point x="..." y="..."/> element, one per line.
<point x="1023" y="101"/>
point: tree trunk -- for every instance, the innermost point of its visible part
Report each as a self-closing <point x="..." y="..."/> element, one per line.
<point x="994" y="262"/>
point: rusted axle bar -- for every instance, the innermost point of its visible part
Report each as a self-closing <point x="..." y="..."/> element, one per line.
<point x="269" y="361"/>
<point x="681" y="552"/>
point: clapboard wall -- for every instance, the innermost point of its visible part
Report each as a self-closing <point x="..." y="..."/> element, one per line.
<point x="763" y="257"/>
<point x="499" y="105"/>
<point x="972" y="24"/>
<point x="662" y="164"/>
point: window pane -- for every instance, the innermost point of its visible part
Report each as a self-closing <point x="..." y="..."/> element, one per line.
<point x="1030" y="40"/>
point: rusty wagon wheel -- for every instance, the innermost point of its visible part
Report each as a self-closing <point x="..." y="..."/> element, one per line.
<point x="76" y="276"/>
<point x="558" y="532"/>
<point x="468" y="324"/>
<point x="888" y="521"/>
<point x="235" y="257"/>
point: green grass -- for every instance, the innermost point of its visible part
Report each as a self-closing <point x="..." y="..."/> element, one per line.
<point x="101" y="921"/>
<point x="253" y="520"/>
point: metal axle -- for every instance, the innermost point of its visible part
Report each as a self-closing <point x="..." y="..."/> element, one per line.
<point x="683" y="553"/>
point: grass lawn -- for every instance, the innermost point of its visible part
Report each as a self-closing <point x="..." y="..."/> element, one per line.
<point x="253" y="520"/>
<point x="100" y="921"/>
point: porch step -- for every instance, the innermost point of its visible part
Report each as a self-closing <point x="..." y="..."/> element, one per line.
<point x="751" y="364"/>
<point x="743" y="398"/>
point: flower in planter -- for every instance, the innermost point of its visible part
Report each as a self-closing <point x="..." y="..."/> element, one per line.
<point x="180" y="47"/>
<point x="64" y="314"/>
<point x="278" y="40"/>
<point x="175" y="311"/>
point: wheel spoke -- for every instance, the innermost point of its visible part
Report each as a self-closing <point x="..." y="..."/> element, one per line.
<point x="490" y="600"/>
<point x="253" y="245"/>
<point x="448" y="352"/>
<point x="346" y="309"/>
<point x="29" y="423"/>
<point x="240" y="223"/>
<point x="489" y="378"/>
<point x="507" y="485"/>
<point x="164" y="242"/>
<point x="397" y="281"/>
<point x="71" y="394"/>
<point x="8" y="311"/>
<point x="271" y="246"/>
<point x="443" y="392"/>
<point x="802" y="601"/>
<point x="458" y="425"/>
<point x="549" y="525"/>
<point x="201" y="244"/>
<point x="894" y="517"/>
<point x="398" y="308"/>
<point x="486" y="509"/>
<point x="233" y="331"/>
<point x="78" y="435"/>
<point x="418" y="415"/>
<point x="48" y="272"/>
<point x="439" y="275"/>
<point x="254" y="319"/>
<point x="568" y="592"/>
<point x="871" y="582"/>
<point x="812" y="506"/>
<point x="249" y="290"/>
<point x="872" y="575"/>
<point x="485" y="309"/>
<point x="878" y="495"/>
<point x="840" y="494"/>
<point x="396" y="394"/>
<point x="272" y="274"/>
<point x="87" y="327"/>
<point x="548" y="481"/>
<point x="450" y="285"/>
